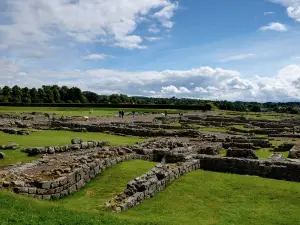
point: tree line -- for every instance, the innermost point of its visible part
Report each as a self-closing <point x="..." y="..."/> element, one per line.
<point x="54" y="94"/>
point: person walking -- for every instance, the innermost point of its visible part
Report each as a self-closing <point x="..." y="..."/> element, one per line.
<point x="133" y="114"/>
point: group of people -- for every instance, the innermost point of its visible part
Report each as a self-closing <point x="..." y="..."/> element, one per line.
<point x="121" y="114"/>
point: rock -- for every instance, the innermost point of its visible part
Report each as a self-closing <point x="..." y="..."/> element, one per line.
<point x="2" y="155"/>
<point x="76" y="141"/>
<point x="12" y="146"/>
<point x="277" y="157"/>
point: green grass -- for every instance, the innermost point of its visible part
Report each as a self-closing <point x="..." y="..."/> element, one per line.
<point x="54" y="138"/>
<point x="14" y="156"/>
<point x="47" y="137"/>
<point x="203" y="197"/>
<point x="105" y="186"/>
<point x="200" y="197"/>
<point x="77" y="111"/>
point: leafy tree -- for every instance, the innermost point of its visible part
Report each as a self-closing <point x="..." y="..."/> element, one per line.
<point x="16" y="94"/>
<point x="41" y="95"/>
<point x="26" y="98"/>
<point x="34" y="95"/>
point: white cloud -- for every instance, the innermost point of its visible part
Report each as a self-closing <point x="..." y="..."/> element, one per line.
<point x="292" y="8"/>
<point x="111" y="22"/>
<point x="153" y="29"/>
<point x="268" y="13"/>
<point x="97" y="57"/>
<point x="171" y="89"/>
<point x="165" y="15"/>
<point x="151" y="39"/>
<point x="209" y="83"/>
<point x="274" y="26"/>
<point x="238" y="57"/>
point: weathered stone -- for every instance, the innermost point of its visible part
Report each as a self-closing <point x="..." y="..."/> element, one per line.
<point x="277" y="157"/>
<point x="2" y="155"/>
<point x="76" y="141"/>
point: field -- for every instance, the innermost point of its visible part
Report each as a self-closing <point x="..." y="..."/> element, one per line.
<point x="62" y="111"/>
<point x="199" y="197"/>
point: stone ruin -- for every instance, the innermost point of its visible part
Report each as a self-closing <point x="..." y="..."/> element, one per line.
<point x="63" y="170"/>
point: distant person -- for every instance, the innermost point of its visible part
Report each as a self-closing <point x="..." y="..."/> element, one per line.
<point x="133" y="114"/>
<point x="166" y="113"/>
<point x="122" y="114"/>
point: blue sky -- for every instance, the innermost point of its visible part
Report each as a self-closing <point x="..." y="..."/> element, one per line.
<point x="211" y="49"/>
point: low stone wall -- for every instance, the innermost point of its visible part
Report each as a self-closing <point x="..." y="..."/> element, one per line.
<point x="285" y="147"/>
<point x="132" y="131"/>
<point x="69" y="183"/>
<point x="14" y="131"/>
<point x="241" y="153"/>
<point x="9" y="146"/>
<point x="264" y="168"/>
<point x="65" y="148"/>
<point x="147" y="185"/>
<point x="294" y="153"/>
<point x="290" y="135"/>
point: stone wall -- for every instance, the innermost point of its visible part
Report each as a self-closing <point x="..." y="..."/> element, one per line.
<point x="147" y="185"/>
<point x="132" y="131"/>
<point x="264" y="168"/>
<point x="65" y="148"/>
<point x="14" y="131"/>
<point x="67" y="184"/>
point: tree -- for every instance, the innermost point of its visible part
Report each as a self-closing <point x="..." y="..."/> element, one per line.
<point x="41" y="95"/>
<point x="34" y="95"/>
<point x="6" y="91"/>
<point x="26" y="98"/>
<point x="91" y="96"/>
<point x="16" y="94"/>
<point x="49" y="97"/>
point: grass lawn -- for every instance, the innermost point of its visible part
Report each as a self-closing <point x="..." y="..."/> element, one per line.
<point x="105" y="186"/>
<point x="77" y="111"/>
<point x="49" y="137"/>
<point x="200" y="197"/>
<point x="14" y="156"/>
<point x="53" y="138"/>
<point x="204" y="198"/>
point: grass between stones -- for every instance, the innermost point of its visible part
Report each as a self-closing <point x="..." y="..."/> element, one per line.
<point x="54" y="138"/>
<point x="14" y="156"/>
<point x="200" y="197"/>
<point x="77" y="111"/>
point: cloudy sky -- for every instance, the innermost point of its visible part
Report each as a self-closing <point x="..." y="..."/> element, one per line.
<point x="210" y="49"/>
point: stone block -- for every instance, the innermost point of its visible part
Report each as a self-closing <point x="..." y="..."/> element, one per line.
<point x="46" y="197"/>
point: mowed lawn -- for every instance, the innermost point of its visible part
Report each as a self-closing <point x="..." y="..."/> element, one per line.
<point x="200" y="197"/>
<point x="54" y="138"/>
<point x="64" y="111"/>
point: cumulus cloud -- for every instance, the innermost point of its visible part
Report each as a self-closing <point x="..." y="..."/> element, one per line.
<point x="151" y="39"/>
<point x="97" y="57"/>
<point x="165" y="15"/>
<point x="275" y="27"/>
<point x="153" y="29"/>
<point x="292" y="8"/>
<point x="208" y="83"/>
<point x="111" y="22"/>
<point x="238" y="57"/>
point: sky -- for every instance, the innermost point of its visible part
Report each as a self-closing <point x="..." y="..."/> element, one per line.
<point x="246" y="50"/>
